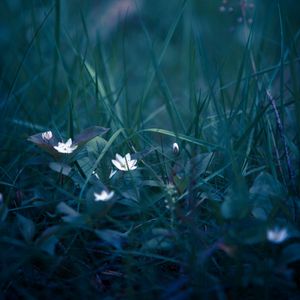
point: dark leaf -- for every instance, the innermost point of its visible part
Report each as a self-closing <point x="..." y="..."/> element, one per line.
<point x="48" y="239"/>
<point x="26" y="227"/>
<point x="88" y="134"/>
<point x="60" y="168"/>
<point x="112" y="237"/>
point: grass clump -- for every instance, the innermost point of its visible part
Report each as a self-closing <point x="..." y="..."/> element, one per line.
<point x="150" y="151"/>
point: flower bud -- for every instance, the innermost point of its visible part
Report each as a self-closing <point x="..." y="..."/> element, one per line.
<point x="175" y="148"/>
<point x="47" y="135"/>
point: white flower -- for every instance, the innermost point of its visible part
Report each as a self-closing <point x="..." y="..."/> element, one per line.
<point x="104" y="196"/>
<point x="47" y="135"/>
<point x="175" y="148"/>
<point x="124" y="163"/>
<point x="65" y="147"/>
<point x="277" y="235"/>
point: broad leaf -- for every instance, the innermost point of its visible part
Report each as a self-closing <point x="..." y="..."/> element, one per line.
<point x="264" y="191"/>
<point x="88" y="134"/>
<point x="26" y="227"/>
<point x="112" y="237"/>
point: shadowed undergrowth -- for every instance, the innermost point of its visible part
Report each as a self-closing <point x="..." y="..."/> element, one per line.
<point x="205" y="99"/>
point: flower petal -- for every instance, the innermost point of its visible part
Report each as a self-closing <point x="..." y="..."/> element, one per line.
<point x="112" y="173"/>
<point x="119" y="158"/>
<point x="73" y="147"/>
<point x="110" y="195"/>
<point x="128" y="157"/>
<point x="103" y="196"/>
<point x="69" y="142"/>
<point x="132" y="163"/>
<point x="117" y="164"/>
<point x="133" y="168"/>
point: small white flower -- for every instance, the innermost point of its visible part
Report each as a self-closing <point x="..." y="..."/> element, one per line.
<point x="47" y="135"/>
<point x="65" y="147"/>
<point x="124" y="163"/>
<point x="104" y="196"/>
<point x="277" y="235"/>
<point x="175" y="148"/>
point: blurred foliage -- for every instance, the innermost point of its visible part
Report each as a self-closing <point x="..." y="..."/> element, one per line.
<point x="218" y="77"/>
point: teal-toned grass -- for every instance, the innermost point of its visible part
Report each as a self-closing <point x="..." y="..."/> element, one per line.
<point x="183" y="225"/>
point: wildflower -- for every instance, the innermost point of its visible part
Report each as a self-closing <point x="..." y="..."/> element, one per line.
<point x="65" y="147"/>
<point x="124" y="163"/>
<point x="277" y="235"/>
<point x="47" y="135"/>
<point x="104" y="196"/>
<point x="175" y="148"/>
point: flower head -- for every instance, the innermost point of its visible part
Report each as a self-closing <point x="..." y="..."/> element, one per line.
<point x="277" y="235"/>
<point x="175" y="148"/>
<point x="47" y="135"/>
<point x="104" y="196"/>
<point x="65" y="147"/>
<point x="124" y="163"/>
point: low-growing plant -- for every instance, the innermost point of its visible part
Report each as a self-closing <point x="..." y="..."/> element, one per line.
<point x="142" y="160"/>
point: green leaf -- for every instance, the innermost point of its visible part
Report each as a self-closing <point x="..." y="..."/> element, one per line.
<point x="88" y="134"/>
<point x="236" y="204"/>
<point x="95" y="147"/>
<point x="249" y="232"/>
<point x="48" y="239"/>
<point x="199" y="164"/>
<point x="65" y="209"/>
<point x="60" y="168"/>
<point x="264" y="191"/>
<point x="112" y="237"/>
<point x="26" y="227"/>
<point x="265" y="186"/>
<point x="70" y="215"/>
<point x="160" y="241"/>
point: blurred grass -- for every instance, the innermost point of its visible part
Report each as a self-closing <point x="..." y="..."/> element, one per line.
<point x="183" y="226"/>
